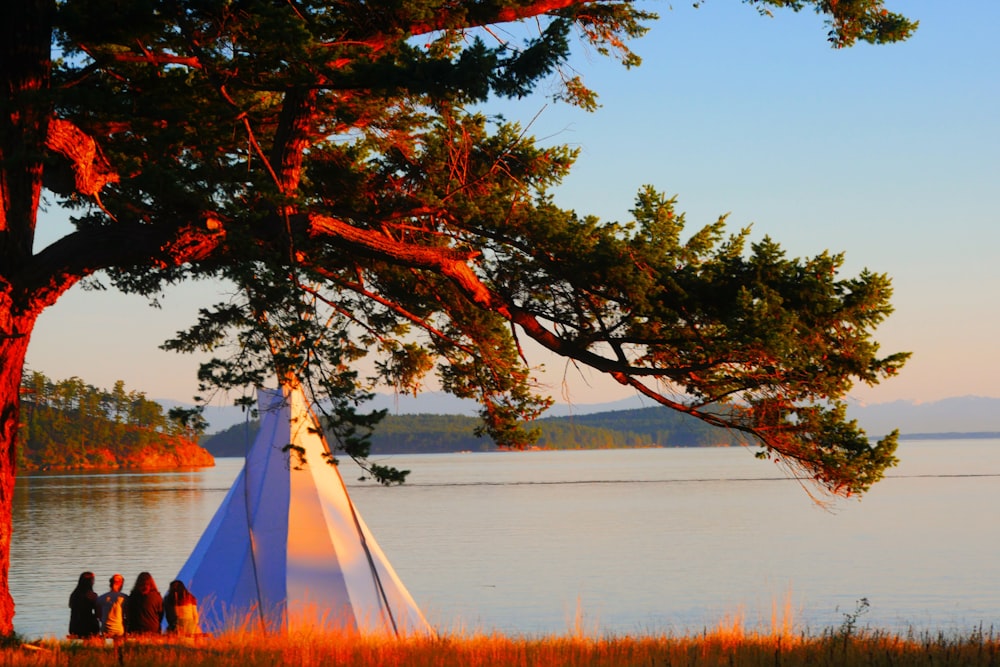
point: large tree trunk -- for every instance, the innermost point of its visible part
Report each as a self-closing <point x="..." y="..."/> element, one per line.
<point x="25" y="36"/>
<point x="12" y="351"/>
<point x="25" y="40"/>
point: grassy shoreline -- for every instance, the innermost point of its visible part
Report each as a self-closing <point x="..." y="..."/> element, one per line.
<point x="722" y="647"/>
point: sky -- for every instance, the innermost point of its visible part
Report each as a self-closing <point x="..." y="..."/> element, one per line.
<point x="888" y="154"/>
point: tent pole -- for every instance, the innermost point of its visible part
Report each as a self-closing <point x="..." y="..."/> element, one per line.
<point x="361" y="534"/>
<point x="250" y="532"/>
<point x="371" y="566"/>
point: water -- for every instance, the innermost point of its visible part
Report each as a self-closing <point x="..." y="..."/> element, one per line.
<point x="644" y="541"/>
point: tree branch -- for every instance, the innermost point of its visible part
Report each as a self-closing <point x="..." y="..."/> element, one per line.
<point x="152" y="58"/>
<point x="91" y="169"/>
<point x="75" y="256"/>
<point x="474" y="19"/>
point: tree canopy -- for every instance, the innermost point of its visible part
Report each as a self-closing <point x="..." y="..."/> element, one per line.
<point x="326" y="159"/>
<point x="323" y="158"/>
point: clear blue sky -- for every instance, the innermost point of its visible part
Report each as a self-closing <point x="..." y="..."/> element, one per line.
<point x="889" y="154"/>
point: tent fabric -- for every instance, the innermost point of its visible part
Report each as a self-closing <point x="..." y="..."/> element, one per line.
<point x="287" y="549"/>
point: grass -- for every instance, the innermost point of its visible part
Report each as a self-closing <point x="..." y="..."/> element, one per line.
<point x="729" y="645"/>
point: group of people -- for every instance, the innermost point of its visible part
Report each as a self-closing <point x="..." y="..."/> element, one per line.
<point x="142" y="612"/>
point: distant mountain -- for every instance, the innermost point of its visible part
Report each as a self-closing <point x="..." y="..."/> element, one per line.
<point x="966" y="414"/>
<point x="961" y="414"/>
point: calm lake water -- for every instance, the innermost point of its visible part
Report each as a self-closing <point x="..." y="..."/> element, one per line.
<point x="644" y="541"/>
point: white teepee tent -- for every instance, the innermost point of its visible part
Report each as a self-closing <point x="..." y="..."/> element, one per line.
<point x="287" y="549"/>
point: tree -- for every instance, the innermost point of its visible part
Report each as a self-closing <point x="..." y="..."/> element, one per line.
<point x="321" y="156"/>
<point x="70" y="423"/>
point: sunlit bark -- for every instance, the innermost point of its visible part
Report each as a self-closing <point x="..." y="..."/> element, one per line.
<point x="24" y="76"/>
<point x="12" y="354"/>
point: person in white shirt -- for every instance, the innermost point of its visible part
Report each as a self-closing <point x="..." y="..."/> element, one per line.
<point x="112" y="608"/>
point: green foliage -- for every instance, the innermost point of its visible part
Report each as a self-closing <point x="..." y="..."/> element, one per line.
<point x="848" y="20"/>
<point x="428" y="434"/>
<point x="322" y="158"/>
<point x="70" y="424"/>
<point x="431" y="434"/>
<point x="644" y="427"/>
<point x="279" y="327"/>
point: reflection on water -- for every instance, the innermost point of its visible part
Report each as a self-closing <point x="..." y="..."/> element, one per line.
<point x="642" y="541"/>
<point x="116" y="522"/>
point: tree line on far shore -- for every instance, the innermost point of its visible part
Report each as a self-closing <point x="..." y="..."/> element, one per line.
<point x="431" y="433"/>
<point x="69" y="424"/>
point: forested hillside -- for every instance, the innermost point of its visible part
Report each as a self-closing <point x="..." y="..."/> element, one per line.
<point x="68" y="424"/>
<point x="644" y="427"/>
<point x="425" y="434"/>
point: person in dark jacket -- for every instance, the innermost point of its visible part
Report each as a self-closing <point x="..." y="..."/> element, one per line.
<point x="145" y="607"/>
<point x="84" y="618"/>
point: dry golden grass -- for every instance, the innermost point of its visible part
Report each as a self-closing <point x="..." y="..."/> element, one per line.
<point x="729" y="645"/>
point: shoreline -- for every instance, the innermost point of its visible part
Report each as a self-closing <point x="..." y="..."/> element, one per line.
<point x="43" y="470"/>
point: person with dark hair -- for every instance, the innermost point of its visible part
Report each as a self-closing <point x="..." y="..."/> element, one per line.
<point x="84" y="618"/>
<point x="181" y="610"/>
<point x="145" y="606"/>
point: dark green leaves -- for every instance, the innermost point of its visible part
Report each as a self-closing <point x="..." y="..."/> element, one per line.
<point x="320" y="158"/>
<point x="851" y="20"/>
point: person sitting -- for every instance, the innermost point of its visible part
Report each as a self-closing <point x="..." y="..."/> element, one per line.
<point x="145" y="606"/>
<point x="113" y="610"/>
<point x="84" y="617"/>
<point x="181" y="610"/>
